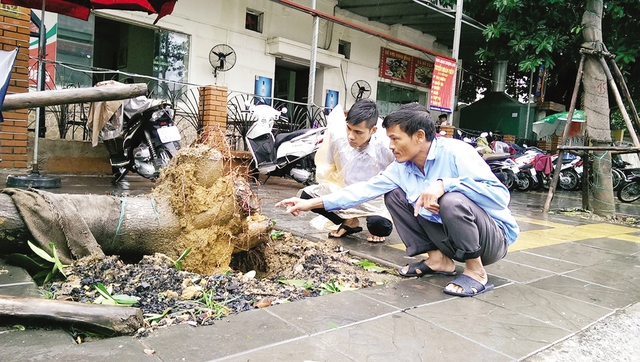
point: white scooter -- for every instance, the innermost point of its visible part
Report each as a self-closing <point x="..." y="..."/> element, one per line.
<point x="285" y="154"/>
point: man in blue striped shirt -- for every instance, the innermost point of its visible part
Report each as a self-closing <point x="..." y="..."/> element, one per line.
<point x="443" y="198"/>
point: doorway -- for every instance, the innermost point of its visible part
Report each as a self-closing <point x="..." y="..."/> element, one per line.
<point x="291" y="87"/>
<point x="391" y="97"/>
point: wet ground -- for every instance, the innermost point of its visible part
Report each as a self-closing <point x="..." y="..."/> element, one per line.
<point x="567" y="291"/>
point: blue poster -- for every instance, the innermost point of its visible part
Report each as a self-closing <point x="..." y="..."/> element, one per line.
<point x="262" y="90"/>
<point x="331" y="100"/>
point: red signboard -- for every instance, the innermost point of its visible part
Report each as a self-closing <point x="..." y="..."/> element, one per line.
<point x="405" y="68"/>
<point x="441" y="85"/>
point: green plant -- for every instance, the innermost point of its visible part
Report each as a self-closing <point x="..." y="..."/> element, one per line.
<point x="276" y="234"/>
<point x="333" y="287"/>
<point x="155" y="317"/>
<point x="117" y="299"/>
<point x="306" y="284"/>
<point x="219" y="309"/>
<point x="178" y="262"/>
<point x="617" y="121"/>
<point x="370" y="266"/>
<point x="42" y="266"/>
<point x="47" y="294"/>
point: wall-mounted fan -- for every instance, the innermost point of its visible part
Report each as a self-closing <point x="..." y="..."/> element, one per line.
<point x="360" y="89"/>
<point x="222" y="58"/>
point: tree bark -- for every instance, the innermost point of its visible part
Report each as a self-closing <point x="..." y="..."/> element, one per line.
<point x="72" y="95"/>
<point x="596" y="108"/>
<point x="137" y="226"/>
<point x="100" y="318"/>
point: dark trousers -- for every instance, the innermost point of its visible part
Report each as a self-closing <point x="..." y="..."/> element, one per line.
<point x="377" y="225"/>
<point x="466" y="231"/>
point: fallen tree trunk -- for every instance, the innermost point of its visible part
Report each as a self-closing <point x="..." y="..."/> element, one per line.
<point x="147" y="227"/>
<point x="72" y="95"/>
<point x="100" y="318"/>
<point x="197" y="204"/>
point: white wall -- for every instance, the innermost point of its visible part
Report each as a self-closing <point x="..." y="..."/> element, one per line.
<point x="213" y="22"/>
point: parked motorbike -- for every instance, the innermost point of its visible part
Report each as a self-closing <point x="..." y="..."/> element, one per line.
<point x="504" y="168"/>
<point x="528" y="177"/>
<point x="570" y="173"/>
<point x="288" y="154"/>
<point x="630" y="192"/>
<point x="146" y="141"/>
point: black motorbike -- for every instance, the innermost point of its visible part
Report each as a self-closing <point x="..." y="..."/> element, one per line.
<point x="149" y="140"/>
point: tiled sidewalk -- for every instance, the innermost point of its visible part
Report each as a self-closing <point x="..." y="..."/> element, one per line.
<point x="561" y="276"/>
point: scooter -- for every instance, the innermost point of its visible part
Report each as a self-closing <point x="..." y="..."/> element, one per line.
<point x="147" y="142"/>
<point x="504" y="168"/>
<point x="285" y="154"/>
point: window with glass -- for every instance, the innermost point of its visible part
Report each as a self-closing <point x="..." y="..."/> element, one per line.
<point x="253" y="20"/>
<point x="93" y="49"/>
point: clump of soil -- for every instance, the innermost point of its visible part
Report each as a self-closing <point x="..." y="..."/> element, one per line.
<point x="286" y="269"/>
<point x="217" y="209"/>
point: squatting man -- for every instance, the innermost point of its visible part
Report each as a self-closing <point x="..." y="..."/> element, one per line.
<point x="443" y="199"/>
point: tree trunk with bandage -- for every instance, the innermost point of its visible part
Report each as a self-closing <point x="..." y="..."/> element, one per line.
<point x="197" y="204"/>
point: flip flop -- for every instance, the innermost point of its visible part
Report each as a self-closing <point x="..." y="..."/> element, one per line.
<point x="470" y="287"/>
<point x="347" y="231"/>
<point x="423" y="268"/>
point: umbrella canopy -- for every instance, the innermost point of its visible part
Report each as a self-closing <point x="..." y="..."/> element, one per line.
<point x="81" y="8"/>
<point x="555" y="123"/>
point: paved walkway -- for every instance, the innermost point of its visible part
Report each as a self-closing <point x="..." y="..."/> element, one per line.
<point x="563" y="277"/>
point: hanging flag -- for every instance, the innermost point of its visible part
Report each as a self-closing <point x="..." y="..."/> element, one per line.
<point x="7" y="59"/>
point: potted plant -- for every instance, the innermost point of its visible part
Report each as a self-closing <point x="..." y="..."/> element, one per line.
<point x="618" y="126"/>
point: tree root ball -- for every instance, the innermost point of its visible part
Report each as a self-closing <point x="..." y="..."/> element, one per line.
<point x="215" y="205"/>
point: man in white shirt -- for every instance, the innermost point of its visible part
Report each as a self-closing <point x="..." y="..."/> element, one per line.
<point x="350" y="158"/>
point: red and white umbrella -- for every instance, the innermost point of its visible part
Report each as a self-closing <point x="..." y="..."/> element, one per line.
<point x="81" y="8"/>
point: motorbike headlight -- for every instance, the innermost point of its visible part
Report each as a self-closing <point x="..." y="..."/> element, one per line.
<point x="165" y="112"/>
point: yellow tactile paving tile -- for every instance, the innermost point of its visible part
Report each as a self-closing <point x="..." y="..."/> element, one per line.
<point x="399" y="246"/>
<point x="608" y="228"/>
<point x="541" y="222"/>
<point x="559" y="233"/>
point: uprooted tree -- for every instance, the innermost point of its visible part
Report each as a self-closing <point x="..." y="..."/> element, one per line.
<point x="199" y="202"/>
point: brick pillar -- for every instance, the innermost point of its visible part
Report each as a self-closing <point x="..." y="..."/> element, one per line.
<point x="213" y="113"/>
<point x="448" y="130"/>
<point x="14" y="31"/>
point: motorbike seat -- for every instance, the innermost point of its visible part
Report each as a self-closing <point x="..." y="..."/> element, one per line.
<point x="284" y="137"/>
<point x="496" y="156"/>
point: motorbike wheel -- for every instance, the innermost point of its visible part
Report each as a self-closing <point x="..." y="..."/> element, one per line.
<point x="629" y="192"/>
<point x="618" y="179"/>
<point x="524" y="183"/>
<point x="511" y="180"/>
<point x="165" y="157"/>
<point x="569" y="180"/>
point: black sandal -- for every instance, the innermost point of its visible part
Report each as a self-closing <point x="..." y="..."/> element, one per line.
<point x="420" y="269"/>
<point x="347" y="231"/>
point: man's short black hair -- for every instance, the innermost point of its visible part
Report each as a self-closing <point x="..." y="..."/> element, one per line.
<point x="443" y="115"/>
<point x="412" y="117"/>
<point x="364" y="110"/>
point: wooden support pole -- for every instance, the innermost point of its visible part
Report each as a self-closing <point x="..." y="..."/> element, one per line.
<point x="565" y="133"/>
<point x="618" y="98"/>
<point x="72" y="95"/>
